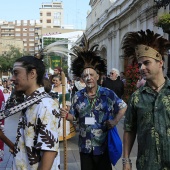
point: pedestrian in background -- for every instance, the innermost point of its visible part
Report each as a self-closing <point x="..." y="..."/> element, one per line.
<point x="141" y="82"/>
<point x="148" y="113"/>
<point x="56" y="92"/>
<point x="94" y="107"/>
<point x="37" y="144"/>
<point x="122" y="77"/>
<point x="114" y="83"/>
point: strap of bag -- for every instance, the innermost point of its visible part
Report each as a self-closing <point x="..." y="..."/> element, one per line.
<point x="9" y="112"/>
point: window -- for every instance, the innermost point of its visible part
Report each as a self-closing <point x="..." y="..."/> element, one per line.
<point x="17" y="29"/>
<point x="31" y="39"/>
<point x="41" y="14"/>
<point x="31" y="34"/>
<point x="31" y="49"/>
<point x="31" y="29"/>
<point x="31" y="44"/>
<point x="17" y="34"/>
<point x="48" y="13"/>
<point x="48" y="20"/>
<point x="24" y="34"/>
<point x="24" y="29"/>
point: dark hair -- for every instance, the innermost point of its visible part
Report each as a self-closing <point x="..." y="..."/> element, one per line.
<point x="58" y="68"/>
<point x="56" y="76"/>
<point x="47" y="85"/>
<point x="31" y="62"/>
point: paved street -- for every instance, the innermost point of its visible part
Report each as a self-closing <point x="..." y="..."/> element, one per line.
<point x="73" y="154"/>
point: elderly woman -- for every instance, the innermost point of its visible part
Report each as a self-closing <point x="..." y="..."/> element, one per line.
<point x="114" y="83"/>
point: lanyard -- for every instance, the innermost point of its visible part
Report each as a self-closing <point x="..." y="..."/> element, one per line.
<point x="93" y="101"/>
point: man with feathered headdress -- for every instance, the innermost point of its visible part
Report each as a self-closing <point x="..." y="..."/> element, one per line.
<point x="148" y="113"/>
<point x="93" y="106"/>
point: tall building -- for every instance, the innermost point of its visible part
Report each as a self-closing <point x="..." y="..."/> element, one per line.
<point x="52" y="14"/>
<point x="23" y="34"/>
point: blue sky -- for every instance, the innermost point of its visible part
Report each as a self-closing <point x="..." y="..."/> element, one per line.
<point x="75" y="11"/>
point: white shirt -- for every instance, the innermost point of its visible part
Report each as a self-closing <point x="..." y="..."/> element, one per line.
<point x="37" y="131"/>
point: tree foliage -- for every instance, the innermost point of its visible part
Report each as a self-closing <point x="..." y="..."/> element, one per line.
<point x="7" y="60"/>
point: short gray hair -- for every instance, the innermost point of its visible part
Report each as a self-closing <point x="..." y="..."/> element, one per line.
<point x="116" y="70"/>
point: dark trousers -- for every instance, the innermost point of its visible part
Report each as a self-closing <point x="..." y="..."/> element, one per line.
<point x="95" y="162"/>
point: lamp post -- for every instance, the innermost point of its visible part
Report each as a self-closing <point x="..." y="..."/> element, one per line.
<point x="159" y="4"/>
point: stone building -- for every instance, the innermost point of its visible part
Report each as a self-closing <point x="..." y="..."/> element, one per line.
<point x="110" y="20"/>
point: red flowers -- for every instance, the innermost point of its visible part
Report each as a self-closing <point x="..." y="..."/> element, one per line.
<point x="132" y="76"/>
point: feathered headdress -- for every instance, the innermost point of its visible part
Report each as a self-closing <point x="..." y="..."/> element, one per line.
<point x="145" y="43"/>
<point x="87" y="58"/>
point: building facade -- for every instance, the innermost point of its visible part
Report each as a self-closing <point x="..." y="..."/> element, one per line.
<point x="110" y="20"/>
<point x="52" y="14"/>
<point x="23" y="32"/>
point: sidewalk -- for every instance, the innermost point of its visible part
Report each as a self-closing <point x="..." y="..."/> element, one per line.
<point x="72" y="149"/>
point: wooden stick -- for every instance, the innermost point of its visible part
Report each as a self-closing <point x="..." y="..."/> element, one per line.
<point x="6" y="140"/>
<point x="64" y="119"/>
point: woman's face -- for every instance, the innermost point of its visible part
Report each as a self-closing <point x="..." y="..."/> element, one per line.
<point x="56" y="81"/>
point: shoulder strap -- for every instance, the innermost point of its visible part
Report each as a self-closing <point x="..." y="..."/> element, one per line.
<point x="13" y="110"/>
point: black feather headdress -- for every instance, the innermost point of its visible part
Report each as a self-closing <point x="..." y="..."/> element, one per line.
<point x="145" y="43"/>
<point x="87" y="58"/>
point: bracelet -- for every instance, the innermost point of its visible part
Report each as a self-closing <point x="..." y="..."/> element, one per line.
<point x="126" y="161"/>
<point x="66" y="116"/>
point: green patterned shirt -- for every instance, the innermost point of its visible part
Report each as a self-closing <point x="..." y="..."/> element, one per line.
<point x="148" y="114"/>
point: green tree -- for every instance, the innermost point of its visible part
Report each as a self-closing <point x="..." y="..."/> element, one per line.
<point x="8" y="59"/>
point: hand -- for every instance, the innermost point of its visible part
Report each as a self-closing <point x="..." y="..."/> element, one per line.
<point x="127" y="166"/>
<point x="110" y="124"/>
<point x="63" y="112"/>
<point x="11" y="150"/>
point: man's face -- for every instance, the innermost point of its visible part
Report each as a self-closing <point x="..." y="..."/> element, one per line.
<point x="149" y="68"/>
<point x="113" y="75"/>
<point x="56" y="71"/>
<point x="20" y="78"/>
<point x="90" y="77"/>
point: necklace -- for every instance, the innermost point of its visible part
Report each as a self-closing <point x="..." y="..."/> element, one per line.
<point x="158" y="86"/>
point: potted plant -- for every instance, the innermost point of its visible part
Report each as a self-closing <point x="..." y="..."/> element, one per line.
<point x="163" y="21"/>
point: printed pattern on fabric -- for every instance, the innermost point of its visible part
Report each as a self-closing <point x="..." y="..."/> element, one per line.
<point x="37" y="131"/>
<point x="94" y="137"/>
<point x="148" y="114"/>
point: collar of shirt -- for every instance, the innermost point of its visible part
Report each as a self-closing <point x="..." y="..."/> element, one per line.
<point x="146" y="87"/>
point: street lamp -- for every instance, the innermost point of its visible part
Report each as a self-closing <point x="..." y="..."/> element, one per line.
<point x="162" y="3"/>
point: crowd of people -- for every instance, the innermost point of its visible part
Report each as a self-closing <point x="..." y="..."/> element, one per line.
<point x="95" y="102"/>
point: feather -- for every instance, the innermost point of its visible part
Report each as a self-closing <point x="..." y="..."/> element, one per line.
<point x="87" y="58"/>
<point x="132" y="39"/>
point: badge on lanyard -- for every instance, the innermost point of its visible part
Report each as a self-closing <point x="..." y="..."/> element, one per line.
<point x="89" y="120"/>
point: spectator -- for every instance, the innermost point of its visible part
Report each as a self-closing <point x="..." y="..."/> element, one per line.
<point x="141" y="82"/>
<point x="114" y="83"/>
